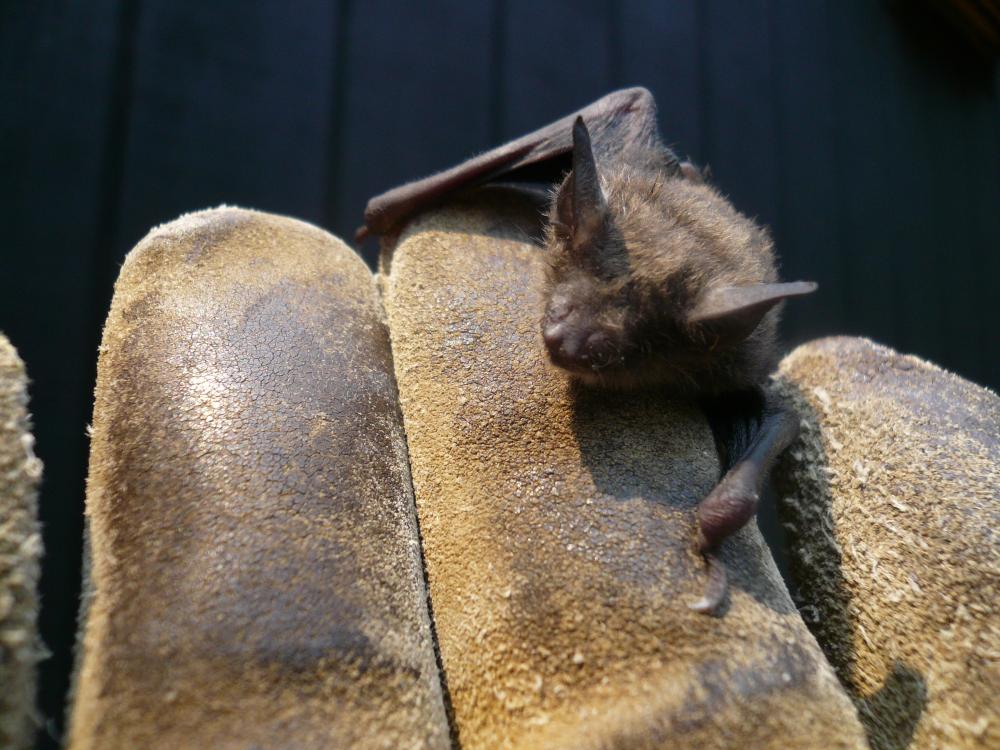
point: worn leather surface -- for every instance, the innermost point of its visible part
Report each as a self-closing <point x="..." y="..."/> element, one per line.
<point x="256" y="579"/>
<point x="558" y="528"/>
<point x="20" y="554"/>
<point x="892" y="496"/>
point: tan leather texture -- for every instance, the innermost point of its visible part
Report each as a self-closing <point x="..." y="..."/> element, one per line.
<point x="20" y="555"/>
<point x="558" y="528"/>
<point x="892" y="496"/>
<point x="256" y="579"/>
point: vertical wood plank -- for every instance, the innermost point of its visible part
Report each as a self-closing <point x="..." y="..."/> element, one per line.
<point x="914" y="134"/>
<point x="947" y="291"/>
<point x="912" y="227"/>
<point x="740" y="135"/>
<point x="660" y="52"/>
<point x="57" y="62"/>
<point x="231" y="103"/>
<point x="866" y="153"/>
<point x="983" y="164"/>
<point x="555" y="59"/>
<point x="805" y="156"/>
<point x="416" y="99"/>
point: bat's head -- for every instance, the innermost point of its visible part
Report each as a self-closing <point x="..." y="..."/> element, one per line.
<point x="655" y="279"/>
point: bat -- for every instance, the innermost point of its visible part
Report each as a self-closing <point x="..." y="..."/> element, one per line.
<point x="654" y="280"/>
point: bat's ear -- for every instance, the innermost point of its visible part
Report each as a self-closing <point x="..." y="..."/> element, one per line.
<point x="733" y="312"/>
<point x="580" y="202"/>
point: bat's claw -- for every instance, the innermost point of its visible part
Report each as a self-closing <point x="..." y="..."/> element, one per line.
<point x="704" y="606"/>
<point x="715" y="589"/>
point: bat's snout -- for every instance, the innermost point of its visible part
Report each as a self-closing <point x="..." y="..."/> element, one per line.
<point x="575" y="348"/>
<point x="562" y="344"/>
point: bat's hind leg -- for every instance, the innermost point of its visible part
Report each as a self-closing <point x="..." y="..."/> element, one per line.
<point x="750" y="432"/>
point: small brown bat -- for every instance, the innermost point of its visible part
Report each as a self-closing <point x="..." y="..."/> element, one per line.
<point x="654" y="280"/>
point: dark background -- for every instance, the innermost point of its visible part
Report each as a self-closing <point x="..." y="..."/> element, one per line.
<point x="866" y="136"/>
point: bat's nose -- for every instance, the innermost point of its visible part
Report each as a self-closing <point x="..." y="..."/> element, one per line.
<point x="564" y="344"/>
<point x="578" y="348"/>
<point x="553" y="334"/>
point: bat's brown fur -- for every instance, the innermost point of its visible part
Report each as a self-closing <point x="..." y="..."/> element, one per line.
<point x="628" y="287"/>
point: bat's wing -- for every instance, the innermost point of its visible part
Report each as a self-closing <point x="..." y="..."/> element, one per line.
<point x="618" y="121"/>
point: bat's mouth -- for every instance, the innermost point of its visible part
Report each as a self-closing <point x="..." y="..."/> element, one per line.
<point x="609" y="378"/>
<point x="585" y="361"/>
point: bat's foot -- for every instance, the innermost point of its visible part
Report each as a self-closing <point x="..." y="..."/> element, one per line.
<point x="723" y="512"/>
<point x="750" y="433"/>
<point x="728" y="507"/>
<point x="715" y="589"/>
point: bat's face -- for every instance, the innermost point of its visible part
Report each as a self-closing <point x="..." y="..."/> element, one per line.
<point x="586" y="325"/>
<point x="606" y="325"/>
<point x="655" y="279"/>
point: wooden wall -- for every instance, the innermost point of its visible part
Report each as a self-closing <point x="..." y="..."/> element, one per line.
<point x="867" y="138"/>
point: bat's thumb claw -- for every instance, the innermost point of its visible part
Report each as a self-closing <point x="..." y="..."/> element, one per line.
<point x="704" y="605"/>
<point x="715" y="589"/>
<point x="361" y="233"/>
